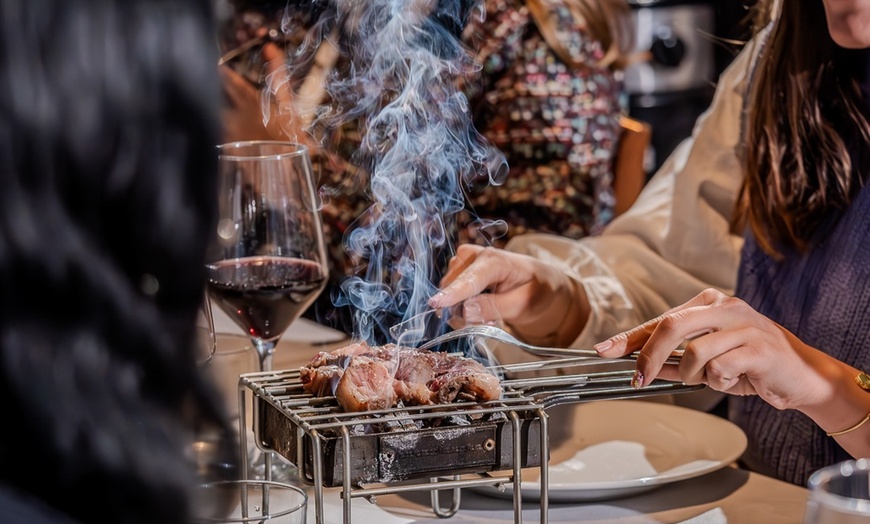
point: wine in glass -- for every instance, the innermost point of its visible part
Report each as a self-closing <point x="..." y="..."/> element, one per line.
<point x="267" y="261"/>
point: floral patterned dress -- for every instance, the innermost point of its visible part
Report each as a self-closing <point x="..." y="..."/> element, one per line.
<point x="556" y="124"/>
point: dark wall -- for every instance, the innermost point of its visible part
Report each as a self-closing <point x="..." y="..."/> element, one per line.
<point x="732" y="23"/>
<point x="673" y="110"/>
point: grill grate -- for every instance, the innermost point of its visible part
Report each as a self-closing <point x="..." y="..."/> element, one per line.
<point x="415" y="448"/>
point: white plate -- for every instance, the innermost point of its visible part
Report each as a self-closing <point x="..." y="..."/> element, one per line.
<point x="610" y="449"/>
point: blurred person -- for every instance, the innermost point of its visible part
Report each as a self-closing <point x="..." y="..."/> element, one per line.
<point x="274" y="91"/>
<point x="259" y="92"/>
<point x="109" y="119"/>
<point x="766" y="201"/>
<point x="549" y="96"/>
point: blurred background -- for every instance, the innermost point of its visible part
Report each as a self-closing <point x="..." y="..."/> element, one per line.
<point x="689" y="43"/>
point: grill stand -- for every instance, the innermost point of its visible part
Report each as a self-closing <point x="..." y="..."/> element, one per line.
<point x="545" y="393"/>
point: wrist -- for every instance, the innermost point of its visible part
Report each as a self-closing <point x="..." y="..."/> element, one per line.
<point x="560" y="322"/>
<point x="842" y="403"/>
<point x="576" y="315"/>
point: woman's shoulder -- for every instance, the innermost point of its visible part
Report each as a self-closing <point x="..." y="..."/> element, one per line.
<point x="497" y="23"/>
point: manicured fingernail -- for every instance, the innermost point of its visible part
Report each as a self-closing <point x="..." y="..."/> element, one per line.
<point x="637" y="380"/>
<point x="435" y="300"/>
<point x="472" y="312"/>
<point x="603" y="345"/>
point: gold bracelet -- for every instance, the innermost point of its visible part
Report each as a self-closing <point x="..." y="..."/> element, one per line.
<point x="853" y="428"/>
<point x="863" y="381"/>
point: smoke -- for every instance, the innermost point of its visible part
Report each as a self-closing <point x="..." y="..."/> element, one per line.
<point x="418" y="144"/>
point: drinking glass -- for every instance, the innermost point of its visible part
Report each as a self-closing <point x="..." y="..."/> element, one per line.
<point x="206" y="339"/>
<point x="235" y="356"/>
<point x="840" y="494"/>
<point x="250" y="501"/>
<point x="267" y="260"/>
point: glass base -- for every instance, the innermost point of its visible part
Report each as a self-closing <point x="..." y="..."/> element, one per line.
<point x="282" y="470"/>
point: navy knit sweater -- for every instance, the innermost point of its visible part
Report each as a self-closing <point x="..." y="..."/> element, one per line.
<point x="823" y="297"/>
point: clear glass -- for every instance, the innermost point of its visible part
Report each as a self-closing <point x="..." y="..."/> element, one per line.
<point x="235" y="356"/>
<point x="241" y="501"/>
<point x="206" y="339"/>
<point x="267" y="260"/>
<point x="840" y="494"/>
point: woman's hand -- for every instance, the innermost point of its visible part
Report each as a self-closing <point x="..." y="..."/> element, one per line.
<point x="538" y="300"/>
<point x="735" y="349"/>
<point x="242" y="111"/>
<point x="732" y="348"/>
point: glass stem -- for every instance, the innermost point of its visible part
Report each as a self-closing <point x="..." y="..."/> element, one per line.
<point x="265" y="350"/>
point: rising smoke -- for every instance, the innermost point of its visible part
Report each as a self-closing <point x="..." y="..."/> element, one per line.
<point x="418" y="144"/>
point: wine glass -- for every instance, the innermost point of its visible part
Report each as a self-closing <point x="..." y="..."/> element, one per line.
<point x="206" y="339"/>
<point x="267" y="260"/>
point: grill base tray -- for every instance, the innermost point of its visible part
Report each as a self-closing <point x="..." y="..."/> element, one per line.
<point x="393" y="454"/>
<point x="425" y="448"/>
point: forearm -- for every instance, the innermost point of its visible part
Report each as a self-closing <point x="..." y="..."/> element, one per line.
<point x="674" y="242"/>
<point x="619" y="282"/>
<point x="839" y="404"/>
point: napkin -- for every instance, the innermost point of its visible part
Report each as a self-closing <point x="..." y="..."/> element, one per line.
<point x="361" y="509"/>
<point x="570" y="514"/>
<point x="713" y="516"/>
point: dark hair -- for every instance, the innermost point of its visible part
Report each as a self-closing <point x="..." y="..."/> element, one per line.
<point x="804" y="118"/>
<point x="108" y="122"/>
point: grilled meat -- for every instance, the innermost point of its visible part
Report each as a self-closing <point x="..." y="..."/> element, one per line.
<point x="465" y="384"/>
<point x="367" y="378"/>
<point x="320" y="381"/>
<point x="366" y="385"/>
<point x="342" y="356"/>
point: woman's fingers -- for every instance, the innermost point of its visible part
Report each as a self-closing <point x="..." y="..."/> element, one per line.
<point x="717" y="359"/>
<point x="491" y="284"/>
<point x="273" y="55"/>
<point x="238" y="90"/>
<point x="628" y="341"/>
<point x="709" y="312"/>
<point x="465" y="255"/>
<point x="470" y="282"/>
<point x="669" y="333"/>
<point x="634" y="339"/>
<point x="722" y="334"/>
<point x="481" y="309"/>
<point x="731" y="347"/>
<point x="476" y="269"/>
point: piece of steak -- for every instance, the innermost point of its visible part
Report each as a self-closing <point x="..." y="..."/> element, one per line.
<point x="465" y="384"/>
<point x="320" y="381"/>
<point x="374" y="378"/>
<point x="366" y="385"/>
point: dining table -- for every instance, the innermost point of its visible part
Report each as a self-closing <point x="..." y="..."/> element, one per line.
<point x="726" y="494"/>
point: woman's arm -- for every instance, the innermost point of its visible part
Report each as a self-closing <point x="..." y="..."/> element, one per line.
<point x="734" y="349"/>
<point x="674" y="242"/>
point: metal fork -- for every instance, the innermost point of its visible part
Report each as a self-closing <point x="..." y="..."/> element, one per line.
<point x="501" y="335"/>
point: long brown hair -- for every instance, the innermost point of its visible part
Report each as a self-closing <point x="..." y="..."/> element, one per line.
<point x="608" y="21"/>
<point x="804" y="112"/>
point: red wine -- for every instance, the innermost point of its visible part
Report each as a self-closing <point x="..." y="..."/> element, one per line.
<point x="264" y="295"/>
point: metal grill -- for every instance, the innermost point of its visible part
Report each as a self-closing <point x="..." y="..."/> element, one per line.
<point x="428" y="448"/>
